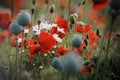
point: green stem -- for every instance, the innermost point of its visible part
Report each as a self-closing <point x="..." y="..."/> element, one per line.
<point x="12" y="9"/>
<point x="108" y="45"/>
<point x="17" y="68"/>
<point x="101" y="48"/>
<point x="69" y="11"/>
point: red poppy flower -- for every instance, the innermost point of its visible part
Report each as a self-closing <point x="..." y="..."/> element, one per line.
<point x="83" y="28"/>
<point x="40" y="1"/>
<point x="33" y="41"/>
<point x="5" y="20"/>
<point x="46" y="41"/>
<point x="5" y="35"/>
<point x="63" y="3"/>
<point x="81" y="13"/>
<point x="61" y="23"/>
<point x="18" y="4"/>
<point x="99" y="4"/>
<point x="93" y="38"/>
<point x="1" y="40"/>
<point x="33" y="50"/>
<point x="26" y="43"/>
<point x="62" y="51"/>
<point x="55" y="31"/>
<point x="107" y="35"/>
<point x="85" y="71"/>
<point x="96" y="18"/>
<point x="89" y="54"/>
<point x="80" y="49"/>
<point x="12" y="44"/>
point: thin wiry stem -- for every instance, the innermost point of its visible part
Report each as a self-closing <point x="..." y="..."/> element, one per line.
<point x="101" y="49"/>
<point x="17" y="68"/>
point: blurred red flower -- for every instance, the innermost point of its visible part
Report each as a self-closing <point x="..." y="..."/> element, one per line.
<point x="55" y="31"/>
<point x="93" y="39"/>
<point x="34" y="49"/>
<point x="63" y="3"/>
<point x="83" y="28"/>
<point x="18" y="4"/>
<point x="99" y="4"/>
<point x="85" y="71"/>
<point x="33" y="41"/>
<point x="26" y="43"/>
<point x="62" y="23"/>
<point x="89" y="54"/>
<point x="1" y="40"/>
<point x="46" y="41"/>
<point x="62" y="51"/>
<point x="5" y="20"/>
<point x="96" y="18"/>
<point x="107" y="35"/>
<point x="80" y="49"/>
<point x="12" y="44"/>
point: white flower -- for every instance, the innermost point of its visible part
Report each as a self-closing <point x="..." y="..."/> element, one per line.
<point x="40" y="67"/>
<point x="35" y="28"/>
<point x="57" y="38"/>
<point x="26" y="31"/>
<point x="45" y="54"/>
<point x="19" y="40"/>
<point x="60" y="30"/>
<point x="55" y="46"/>
<point x="37" y="32"/>
<point x="54" y="25"/>
<point x="53" y="52"/>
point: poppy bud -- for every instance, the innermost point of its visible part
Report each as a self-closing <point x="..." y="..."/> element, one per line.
<point x="83" y="2"/>
<point x="79" y="4"/>
<point x="33" y="2"/>
<point x="57" y="64"/>
<point x="23" y="18"/>
<point x="97" y="32"/>
<point x="15" y="28"/>
<point x="117" y="35"/>
<point x="46" y="1"/>
<point x="76" y="41"/>
<point x="39" y="22"/>
<point x="72" y="20"/>
<point x="86" y="42"/>
<point x="87" y="37"/>
<point x="32" y="11"/>
<point x="52" y="9"/>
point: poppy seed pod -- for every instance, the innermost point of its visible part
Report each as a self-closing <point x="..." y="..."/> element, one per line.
<point x="3" y="75"/>
<point x="15" y="28"/>
<point x="76" y="41"/>
<point x="23" y="18"/>
<point x="72" y="63"/>
<point x="114" y="7"/>
<point x="25" y="76"/>
<point x="57" y="64"/>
